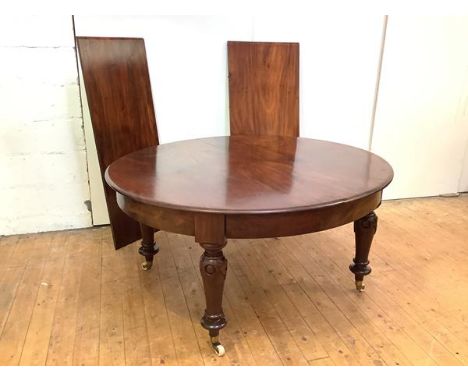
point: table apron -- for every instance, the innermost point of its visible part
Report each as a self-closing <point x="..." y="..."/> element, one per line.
<point x="164" y="219"/>
<point x="251" y="226"/>
<point x="301" y="222"/>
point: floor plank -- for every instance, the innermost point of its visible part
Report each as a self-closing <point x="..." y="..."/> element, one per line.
<point x="16" y="327"/>
<point x="111" y="329"/>
<point x="36" y="344"/>
<point x="276" y="329"/>
<point x="182" y="329"/>
<point x="62" y="338"/>
<point x="86" y="345"/>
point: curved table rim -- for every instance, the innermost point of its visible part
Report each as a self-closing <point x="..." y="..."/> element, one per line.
<point x="181" y="207"/>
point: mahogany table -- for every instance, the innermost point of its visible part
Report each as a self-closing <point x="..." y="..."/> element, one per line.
<point x="249" y="187"/>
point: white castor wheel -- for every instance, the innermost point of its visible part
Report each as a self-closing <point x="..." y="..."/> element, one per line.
<point x="146" y="265"/>
<point x="360" y="286"/>
<point x="217" y="347"/>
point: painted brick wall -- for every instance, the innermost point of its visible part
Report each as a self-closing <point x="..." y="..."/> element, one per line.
<point x="43" y="174"/>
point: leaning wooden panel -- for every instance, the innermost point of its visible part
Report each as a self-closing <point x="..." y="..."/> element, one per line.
<point x="264" y="88"/>
<point x="116" y="78"/>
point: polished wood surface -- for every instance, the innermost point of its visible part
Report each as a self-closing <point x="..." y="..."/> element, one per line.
<point x="251" y="226"/>
<point x="364" y="231"/>
<point x="250" y="187"/>
<point x="116" y="78"/>
<point x="249" y="175"/>
<point x="72" y="299"/>
<point x="263" y="88"/>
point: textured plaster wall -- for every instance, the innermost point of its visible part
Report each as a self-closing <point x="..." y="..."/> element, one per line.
<point x="43" y="172"/>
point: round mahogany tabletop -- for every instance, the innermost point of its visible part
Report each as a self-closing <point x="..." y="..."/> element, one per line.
<point x="248" y="174"/>
<point x="247" y="187"/>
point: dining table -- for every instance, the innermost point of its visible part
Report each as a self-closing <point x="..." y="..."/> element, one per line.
<point x="248" y="187"/>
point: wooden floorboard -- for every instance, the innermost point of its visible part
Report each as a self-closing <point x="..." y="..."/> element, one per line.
<point x="88" y="314"/>
<point x="111" y="329"/>
<point x="68" y="298"/>
<point x="62" y="337"/>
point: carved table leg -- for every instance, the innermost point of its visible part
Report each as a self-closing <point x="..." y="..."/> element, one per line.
<point x="213" y="267"/>
<point x="364" y="230"/>
<point x="149" y="247"/>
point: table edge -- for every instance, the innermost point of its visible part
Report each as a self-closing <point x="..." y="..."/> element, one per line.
<point x="181" y="207"/>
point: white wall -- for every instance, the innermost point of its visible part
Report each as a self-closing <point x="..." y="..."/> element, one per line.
<point x="43" y="178"/>
<point x="421" y="124"/>
<point x="463" y="186"/>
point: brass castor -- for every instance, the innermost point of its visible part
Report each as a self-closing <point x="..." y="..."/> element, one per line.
<point x="360" y="286"/>
<point x="146" y="265"/>
<point x="217" y="347"/>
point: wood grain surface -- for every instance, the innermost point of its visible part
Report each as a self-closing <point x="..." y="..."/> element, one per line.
<point x="249" y="174"/>
<point x="264" y="88"/>
<point x="116" y="78"/>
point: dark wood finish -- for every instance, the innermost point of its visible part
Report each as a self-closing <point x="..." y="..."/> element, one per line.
<point x="210" y="234"/>
<point x="263" y="88"/>
<point x="258" y="226"/>
<point x="364" y="231"/>
<point x="250" y="187"/>
<point x="249" y="175"/>
<point x="116" y="78"/>
<point x="213" y="268"/>
<point x="210" y="228"/>
<point x="148" y="248"/>
<point x="171" y="220"/>
<point x="254" y="226"/>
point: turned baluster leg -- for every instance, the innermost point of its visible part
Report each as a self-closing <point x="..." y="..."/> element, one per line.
<point x="211" y="235"/>
<point x="213" y="267"/>
<point x="364" y="230"/>
<point x="149" y="247"/>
